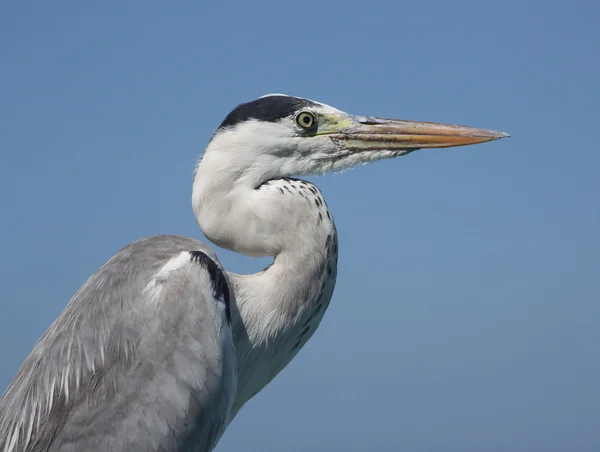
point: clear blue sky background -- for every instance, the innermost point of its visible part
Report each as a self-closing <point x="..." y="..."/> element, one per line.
<point x="468" y="299"/>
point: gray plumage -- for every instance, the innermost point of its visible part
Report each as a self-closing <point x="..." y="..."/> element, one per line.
<point x="121" y="371"/>
<point x="160" y="348"/>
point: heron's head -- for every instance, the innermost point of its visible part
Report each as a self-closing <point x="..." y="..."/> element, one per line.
<point x="278" y="136"/>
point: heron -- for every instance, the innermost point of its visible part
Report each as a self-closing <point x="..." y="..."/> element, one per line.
<point x="161" y="347"/>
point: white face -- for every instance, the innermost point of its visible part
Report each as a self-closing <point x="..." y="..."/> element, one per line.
<point x="297" y="145"/>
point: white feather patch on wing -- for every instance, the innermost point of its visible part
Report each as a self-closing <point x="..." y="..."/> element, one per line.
<point x="155" y="284"/>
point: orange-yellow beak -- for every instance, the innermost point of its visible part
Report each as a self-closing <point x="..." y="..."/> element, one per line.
<point x="369" y="133"/>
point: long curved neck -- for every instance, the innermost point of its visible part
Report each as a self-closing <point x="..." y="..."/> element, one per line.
<point x="276" y="298"/>
<point x="289" y="220"/>
<point x="256" y="215"/>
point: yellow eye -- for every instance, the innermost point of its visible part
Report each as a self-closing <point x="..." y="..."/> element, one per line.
<point x="306" y="120"/>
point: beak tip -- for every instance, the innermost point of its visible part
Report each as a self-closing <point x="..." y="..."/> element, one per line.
<point x="493" y="135"/>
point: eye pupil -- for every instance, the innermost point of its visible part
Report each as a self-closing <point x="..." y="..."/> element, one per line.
<point x="306" y="119"/>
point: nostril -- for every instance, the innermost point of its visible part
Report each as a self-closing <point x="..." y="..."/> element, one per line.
<point x="370" y="122"/>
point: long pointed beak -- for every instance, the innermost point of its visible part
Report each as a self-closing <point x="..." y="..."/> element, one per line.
<point x="369" y="133"/>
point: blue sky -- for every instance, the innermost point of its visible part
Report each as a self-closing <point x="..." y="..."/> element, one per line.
<point x="465" y="316"/>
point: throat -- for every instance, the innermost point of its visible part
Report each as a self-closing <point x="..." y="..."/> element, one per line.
<point x="278" y="310"/>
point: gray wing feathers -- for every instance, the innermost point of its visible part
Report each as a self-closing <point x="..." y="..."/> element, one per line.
<point x="140" y="359"/>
